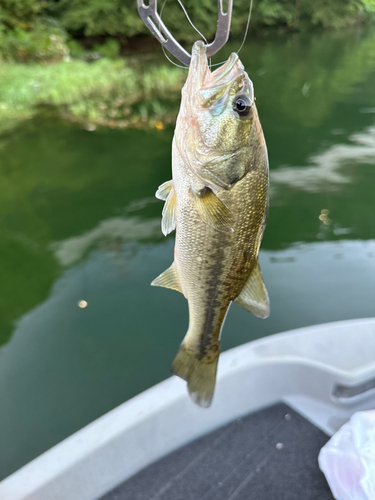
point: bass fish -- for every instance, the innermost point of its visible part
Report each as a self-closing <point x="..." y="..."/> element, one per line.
<point x="217" y="201"/>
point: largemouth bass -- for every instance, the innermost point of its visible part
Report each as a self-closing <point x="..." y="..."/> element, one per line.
<point x="217" y="201"/>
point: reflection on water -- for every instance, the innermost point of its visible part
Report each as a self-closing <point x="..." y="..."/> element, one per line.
<point x="110" y="233"/>
<point x="80" y="227"/>
<point x="310" y="284"/>
<point x="331" y="168"/>
<point x="69" y="365"/>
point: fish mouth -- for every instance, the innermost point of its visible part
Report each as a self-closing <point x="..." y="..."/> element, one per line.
<point x="223" y="75"/>
<point x="212" y="90"/>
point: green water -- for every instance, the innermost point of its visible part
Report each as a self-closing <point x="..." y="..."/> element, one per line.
<point x="79" y="221"/>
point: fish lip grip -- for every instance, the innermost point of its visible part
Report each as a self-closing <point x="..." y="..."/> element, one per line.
<point x="150" y="16"/>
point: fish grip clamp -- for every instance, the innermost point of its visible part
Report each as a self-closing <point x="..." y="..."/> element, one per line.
<point x="150" y="16"/>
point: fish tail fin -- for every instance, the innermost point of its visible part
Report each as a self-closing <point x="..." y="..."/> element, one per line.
<point x="199" y="372"/>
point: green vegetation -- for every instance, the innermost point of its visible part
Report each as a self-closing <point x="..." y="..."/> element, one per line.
<point x="45" y="42"/>
<point x="108" y="92"/>
<point x="41" y="29"/>
<point x="120" y="18"/>
<point x="142" y="92"/>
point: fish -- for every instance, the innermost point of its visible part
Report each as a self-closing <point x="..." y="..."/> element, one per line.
<point x="217" y="201"/>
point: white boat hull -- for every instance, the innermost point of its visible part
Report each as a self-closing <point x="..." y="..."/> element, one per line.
<point x="325" y="372"/>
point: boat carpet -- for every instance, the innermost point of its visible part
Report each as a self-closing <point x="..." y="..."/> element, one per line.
<point x="268" y="455"/>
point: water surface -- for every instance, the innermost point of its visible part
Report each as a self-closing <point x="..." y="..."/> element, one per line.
<point x="79" y="221"/>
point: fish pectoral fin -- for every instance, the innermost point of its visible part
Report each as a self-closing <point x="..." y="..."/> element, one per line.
<point x="213" y="211"/>
<point x="168" y="279"/>
<point x="168" y="222"/>
<point x="164" y="190"/>
<point x="254" y="296"/>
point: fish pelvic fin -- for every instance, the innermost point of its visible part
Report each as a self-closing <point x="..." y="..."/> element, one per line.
<point x="254" y="296"/>
<point x="168" y="222"/>
<point x="213" y="211"/>
<point x="199" y="373"/>
<point x="164" y="190"/>
<point x="168" y="279"/>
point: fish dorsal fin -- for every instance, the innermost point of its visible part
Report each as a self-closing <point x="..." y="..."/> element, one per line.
<point x="168" y="279"/>
<point x="213" y="211"/>
<point x="168" y="222"/>
<point x="254" y="297"/>
<point x="164" y="190"/>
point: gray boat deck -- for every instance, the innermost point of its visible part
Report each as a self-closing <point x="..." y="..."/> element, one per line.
<point x="267" y="455"/>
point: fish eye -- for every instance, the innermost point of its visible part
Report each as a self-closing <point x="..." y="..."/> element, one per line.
<point x="242" y="105"/>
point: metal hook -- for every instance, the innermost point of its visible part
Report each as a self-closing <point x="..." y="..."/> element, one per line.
<point x="152" y="20"/>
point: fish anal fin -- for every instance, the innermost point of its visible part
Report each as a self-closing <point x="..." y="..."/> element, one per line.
<point x="168" y="279"/>
<point x="168" y="222"/>
<point x="213" y="211"/>
<point x="164" y="190"/>
<point x="254" y="296"/>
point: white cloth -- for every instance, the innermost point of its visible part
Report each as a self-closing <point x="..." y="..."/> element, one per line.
<point x="348" y="459"/>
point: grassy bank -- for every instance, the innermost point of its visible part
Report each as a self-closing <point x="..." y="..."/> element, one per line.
<point x="109" y="92"/>
<point x="143" y="91"/>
